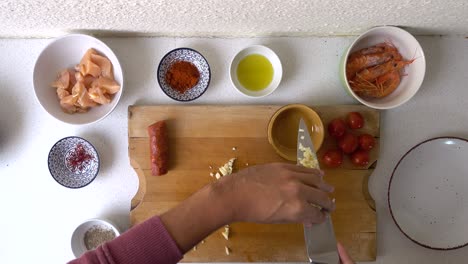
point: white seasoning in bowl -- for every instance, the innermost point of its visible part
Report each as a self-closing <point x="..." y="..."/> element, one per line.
<point x="97" y="235"/>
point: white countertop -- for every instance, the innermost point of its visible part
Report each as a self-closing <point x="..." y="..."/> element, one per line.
<point x="39" y="215"/>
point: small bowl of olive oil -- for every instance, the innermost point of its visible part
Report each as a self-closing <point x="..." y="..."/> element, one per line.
<point x="256" y="71"/>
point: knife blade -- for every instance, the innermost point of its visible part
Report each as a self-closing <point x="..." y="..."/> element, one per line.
<point x="320" y="238"/>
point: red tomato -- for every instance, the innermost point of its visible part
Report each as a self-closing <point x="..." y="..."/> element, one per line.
<point x="366" y="142"/>
<point x="333" y="158"/>
<point x="355" y="120"/>
<point x="337" y="128"/>
<point x="348" y="143"/>
<point x="360" y="158"/>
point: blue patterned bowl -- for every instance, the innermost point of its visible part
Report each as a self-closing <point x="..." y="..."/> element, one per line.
<point x="189" y="55"/>
<point x="73" y="162"/>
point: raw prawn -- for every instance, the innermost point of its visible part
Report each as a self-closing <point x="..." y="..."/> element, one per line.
<point x="369" y="57"/>
<point x="371" y="74"/>
<point x="383" y="86"/>
<point x="362" y="62"/>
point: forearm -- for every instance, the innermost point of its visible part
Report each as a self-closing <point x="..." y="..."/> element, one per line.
<point x="198" y="216"/>
<point x="148" y="242"/>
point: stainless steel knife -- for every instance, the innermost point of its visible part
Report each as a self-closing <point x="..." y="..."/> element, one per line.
<point x="320" y="238"/>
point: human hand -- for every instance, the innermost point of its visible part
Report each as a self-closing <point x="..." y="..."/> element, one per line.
<point x="277" y="193"/>
<point x="344" y="256"/>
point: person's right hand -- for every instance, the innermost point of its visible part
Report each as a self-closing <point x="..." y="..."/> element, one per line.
<point x="277" y="193"/>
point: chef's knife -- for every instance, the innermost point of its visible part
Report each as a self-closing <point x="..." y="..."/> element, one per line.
<point x="320" y="238"/>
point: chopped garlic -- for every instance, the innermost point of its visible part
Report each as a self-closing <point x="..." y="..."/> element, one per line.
<point x="211" y="167"/>
<point x="225" y="233"/>
<point x="234" y="148"/>
<point x="203" y="241"/>
<point x="195" y="248"/>
<point x="211" y="174"/>
<point x="227" y="250"/>
<point x="226" y="169"/>
<point x="218" y="176"/>
<point x="301" y="130"/>
<point x="309" y="160"/>
<point x="302" y="137"/>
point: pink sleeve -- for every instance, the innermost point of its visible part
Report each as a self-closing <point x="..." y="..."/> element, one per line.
<point x="148" y="242"/>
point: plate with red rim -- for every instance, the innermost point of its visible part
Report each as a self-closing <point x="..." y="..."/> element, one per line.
<point x="427" y="192"/>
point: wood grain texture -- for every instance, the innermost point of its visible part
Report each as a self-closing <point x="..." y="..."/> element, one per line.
<point x="203" y="136"/>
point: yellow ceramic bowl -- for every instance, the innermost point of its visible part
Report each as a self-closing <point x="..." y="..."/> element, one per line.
<point x="283" y="126"/>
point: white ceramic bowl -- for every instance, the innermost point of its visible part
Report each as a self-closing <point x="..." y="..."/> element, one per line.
<point x="409" y="48"/>
<point x="66" y="52"/>
<point x="275" y="62"/>
<point x="77" y="241"/>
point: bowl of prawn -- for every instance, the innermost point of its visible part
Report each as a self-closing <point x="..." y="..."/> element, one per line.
<point x="66" y="53"/>
<point x="401" y="80"/>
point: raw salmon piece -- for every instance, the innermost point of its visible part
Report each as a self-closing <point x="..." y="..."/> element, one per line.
<point x="105" y="65"/>
<point x="110" y="86"/>
<point x="98" y="95"/>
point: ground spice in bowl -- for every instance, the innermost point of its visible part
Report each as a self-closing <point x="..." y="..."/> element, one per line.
<point x="182" y="76"/>
<point x="98" y="235"/>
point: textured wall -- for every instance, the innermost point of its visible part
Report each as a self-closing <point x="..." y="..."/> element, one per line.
<point x="34" y="18"/>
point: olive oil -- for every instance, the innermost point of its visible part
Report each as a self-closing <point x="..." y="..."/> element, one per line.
<point x="255" y="72"/>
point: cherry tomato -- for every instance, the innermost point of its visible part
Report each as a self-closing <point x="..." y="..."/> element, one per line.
<point x="355" y="120"/>
<point x="366" y="142"/>
<point x="337" y="128"/>
<point x="333" y="158"/>
<point x="348" y="143"/>
<point x="360" y="157"/>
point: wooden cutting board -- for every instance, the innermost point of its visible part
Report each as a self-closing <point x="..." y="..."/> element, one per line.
<point x="204" y="136"/>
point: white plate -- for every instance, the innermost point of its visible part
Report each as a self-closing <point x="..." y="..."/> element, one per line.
<point x="275" y="62"/>
<point x="66" y="52"/>
<point x="427" y="191"/>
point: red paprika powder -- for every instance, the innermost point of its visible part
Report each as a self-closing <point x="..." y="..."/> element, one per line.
<point x="182" y="76"/>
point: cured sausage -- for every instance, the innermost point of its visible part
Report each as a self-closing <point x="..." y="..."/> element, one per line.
<point x="159" y="148"/>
